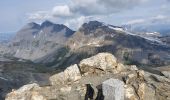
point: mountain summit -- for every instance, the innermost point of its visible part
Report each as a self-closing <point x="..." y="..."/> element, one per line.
<point x="35" y="41"/>
<point x="100" y="37"/>
<point x="56" y="43"/>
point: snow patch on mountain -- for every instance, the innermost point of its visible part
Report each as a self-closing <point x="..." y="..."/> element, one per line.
<point x="152" y="36"/>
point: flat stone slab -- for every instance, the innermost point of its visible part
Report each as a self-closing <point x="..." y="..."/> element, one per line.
<point x="113" y="89"/>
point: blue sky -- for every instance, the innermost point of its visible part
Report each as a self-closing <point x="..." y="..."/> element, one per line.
<point x="16" y="13"/>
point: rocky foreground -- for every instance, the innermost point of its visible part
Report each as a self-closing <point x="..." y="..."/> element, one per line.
<point x="100" y="77"/>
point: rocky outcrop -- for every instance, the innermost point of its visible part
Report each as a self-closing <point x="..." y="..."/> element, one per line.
<point x="100" y="77"/>
<point x="71" y="74"/>
<point x="166" y="74"/>
<point x="100" y="62"/>
<point x="26" y="93"/>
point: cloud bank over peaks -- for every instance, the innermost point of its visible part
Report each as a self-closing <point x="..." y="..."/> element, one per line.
<point x="77" y="12"/>
<point x="150" y="20"/>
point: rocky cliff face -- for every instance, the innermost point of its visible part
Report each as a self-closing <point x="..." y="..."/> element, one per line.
<point x="95" y="37"/>
<point x="34" y="41"/>
<point x="126" y="46"/>
<point x="100" y="77"/>
<point x="56" y="45"/>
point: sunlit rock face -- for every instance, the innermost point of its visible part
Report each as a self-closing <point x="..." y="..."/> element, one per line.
<point x="34" y="40"/>
<point x="102" y="61"/>
<point x="97" y="82"/>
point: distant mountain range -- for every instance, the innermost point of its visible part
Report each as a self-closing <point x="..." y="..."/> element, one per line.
<point x="56" y="45"/>
<point x="151" y="26"/>
<point x="37" y="51"/>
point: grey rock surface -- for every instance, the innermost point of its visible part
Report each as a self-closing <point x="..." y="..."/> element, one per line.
<point x="128" y="84"/>
<point x="113" y="89"/>
<point x="166" y="74"/>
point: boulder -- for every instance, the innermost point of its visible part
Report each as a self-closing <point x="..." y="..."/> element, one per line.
<point x="105" y="85"/>
<point x="132" y="67"/>
<point x="26" y="93"/>
<point x="113" y="89"/>
<point x="129" y="79"/>
<point x="101" y="61"/>
<point x="166" y="74"/>
<point x="71" y="74"/>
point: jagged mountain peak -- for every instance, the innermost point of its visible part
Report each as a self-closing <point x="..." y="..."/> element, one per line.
<point x="31" y="25"/>
<point x="57" y="28"/>
<point x="91" y="25"/>
<point x="47" y="23"/>
<point x="47" y="27"/>
<point x="94" y="23"/>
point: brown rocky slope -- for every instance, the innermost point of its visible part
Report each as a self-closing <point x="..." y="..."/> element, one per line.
<point x="100" y="77"/>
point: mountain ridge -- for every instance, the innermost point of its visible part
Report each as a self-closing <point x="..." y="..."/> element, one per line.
<point x="34" y="41"/>
<point x="91" y="38"/>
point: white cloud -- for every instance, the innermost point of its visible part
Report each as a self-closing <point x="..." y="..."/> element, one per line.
<point x="86" y="8"/>
<point x="77" y="12"/>
<point x="159" y="17"/>
<point x="57" y="12"/>
<point x="61" y="11"/>
<point x="98" y="7"/>
<point x="40" y="15"/>
<point x="77" y="22"/>
<point x="136" y="21"/>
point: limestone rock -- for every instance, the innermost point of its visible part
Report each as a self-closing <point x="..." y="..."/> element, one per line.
<point x="101" y="61"/>
<point x="57" y="79"/>
<point x="70" y="85"/>
<point x="140" y="74"/>
<point x="113" y="89"/>
<point x="130" y="78"/>
<point x="160" y="86"/>
<point x="81" y="90"/>
<point x="25" y="93"/>
<point x="149" y="93"/>
<point x="166" y="74"/>
<point x="119" y="67"/>
<point x="71" y="74"/>
<point x="132" y="67"/>
<point x="141" y="91"/>
<point x="130" y="93"/>
<point x="65" y="89"/>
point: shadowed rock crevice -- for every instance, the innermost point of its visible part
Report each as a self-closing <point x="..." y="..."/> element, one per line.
<point x="89" y="93"/>
<point x="100" y="95"/>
